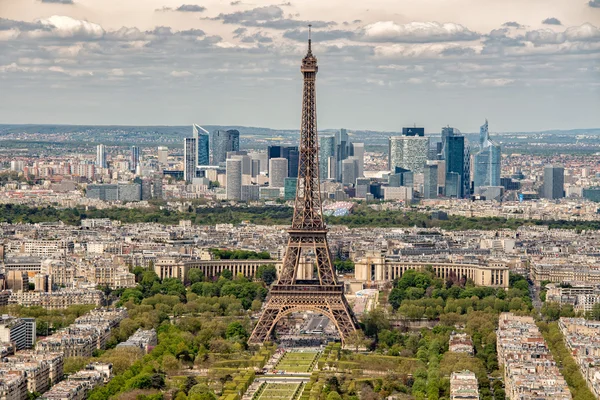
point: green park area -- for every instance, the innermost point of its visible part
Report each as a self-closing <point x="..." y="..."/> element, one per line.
<point x="280" y="391"/>
<point x="294" y="361"/>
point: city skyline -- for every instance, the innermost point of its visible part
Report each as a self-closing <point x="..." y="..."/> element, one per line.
<point x="503" y="63"/>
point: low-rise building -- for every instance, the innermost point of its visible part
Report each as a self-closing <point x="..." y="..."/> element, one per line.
<point x="460" y="343"/>
<point x="463" y="386"/>
<point x="141" y="339"/>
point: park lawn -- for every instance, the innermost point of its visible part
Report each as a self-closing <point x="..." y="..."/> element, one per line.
<point x="279" y="391"/>
<point x="297" y="362"/>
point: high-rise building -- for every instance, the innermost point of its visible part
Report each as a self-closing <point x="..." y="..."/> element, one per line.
<point x="233" y="184"/>
<point x="401" y="177"/>
<point x="189" y="159"/>
<point x="357" y="150"/>
<point x="221" y="142"/>
<point x="163" y="154"/>
<point x="263" y="159"/>
<point x="134" y="158"/>
<point x="456" y="156"/>
<point x="101" y="156"/>
<point x="487" y="161"/>
<point x="202" y="138"/>
<point x="326" y="150"/>
<point x="349" y="171"/>
<point x="408" y="152"/>
<point x="430" y="181"/>
<point x="342" y="150"/>
<point x="290" y="153"/>
<point x="289" y="188"/>
<point x="554" y="182"/>
<point x="278" y="171"/>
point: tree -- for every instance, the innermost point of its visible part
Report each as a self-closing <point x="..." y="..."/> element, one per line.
<point x="227" y="274"/>
<point x="236" y="331"/>
<point x="334" y="396"/>
<point x="195" y="275"/>
<point x="356" y="340"/>
<point x="266" y="273"/>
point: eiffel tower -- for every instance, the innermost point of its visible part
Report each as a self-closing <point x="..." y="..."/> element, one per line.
<point x="308" y="234"/>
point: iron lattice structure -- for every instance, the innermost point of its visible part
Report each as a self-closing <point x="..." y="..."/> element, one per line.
<point x="308" y="235"/>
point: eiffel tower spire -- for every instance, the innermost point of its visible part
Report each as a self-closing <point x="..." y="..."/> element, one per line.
<point x="308" y="236"/>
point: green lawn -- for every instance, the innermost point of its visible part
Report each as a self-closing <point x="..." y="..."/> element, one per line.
<point x="279" y="391"/>
<point x="297" y="362"/>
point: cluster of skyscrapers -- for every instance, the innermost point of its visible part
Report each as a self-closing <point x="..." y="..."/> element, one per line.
<point x="134" y="158"/>
<point x="205" y="149"/>
<point x="340" y="159"/>
<point x="444" y="166"/>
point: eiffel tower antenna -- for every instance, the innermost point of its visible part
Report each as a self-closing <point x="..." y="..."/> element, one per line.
<point x="307" y="236"/>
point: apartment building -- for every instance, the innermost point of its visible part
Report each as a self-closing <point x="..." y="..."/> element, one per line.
<point x="529" y="370"/>
<point x="19" y="331"/>
<point x="463" y="386"/>
<point x="582" y="337"/>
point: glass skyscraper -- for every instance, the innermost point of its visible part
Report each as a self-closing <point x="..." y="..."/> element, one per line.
<point x="408" y="152"/>
<point x="326" y="150"/>
<point x="189" y="159"/>
<point x="135" y="158"/>
<point x="202" y="145"/>
<point x="554" y="182"/>
<point x="454" y="155"/>
<point x="221" y="142"/>
<point x="487" y="161"/>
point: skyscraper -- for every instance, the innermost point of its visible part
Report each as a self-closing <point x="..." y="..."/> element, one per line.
<point x="189" y="159"/>
<point x="221" y="142"/>
<point x="101" y="156"/>
<point x="554" y="182"/>
<point x="349" y="171"/>
<point x="342" y="150"/>
<point x="430" y="181"/>
<point x="487" y="161"/>
<point x="408" y="152"/>
<point x="290" y="153"/>
<point x="357" y="150"/>
<point x="278" y="171"/>
<point x="163" y="154"/>
<point x="202" y="138"/>
<point x="326" y="150"/>
<point x="233" y="176"/>
<point x="454" y="155"/>
<point x="134" y="158"/>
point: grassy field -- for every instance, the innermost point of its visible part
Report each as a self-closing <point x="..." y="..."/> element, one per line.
<point x="279" y="391"/>
<point x="297" y="362"/>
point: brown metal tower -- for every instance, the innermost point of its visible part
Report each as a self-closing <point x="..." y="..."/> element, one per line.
<point x="308" y="235"/>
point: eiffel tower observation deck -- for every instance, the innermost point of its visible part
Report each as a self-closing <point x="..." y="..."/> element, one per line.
<point x="307" y="235"/>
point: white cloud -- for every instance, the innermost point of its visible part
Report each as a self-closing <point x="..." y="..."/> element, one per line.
<point x="180" y="74"/>
<point x="416" y="32"/>
<point x="67" y="27"/>
<point x="496" y="82"/>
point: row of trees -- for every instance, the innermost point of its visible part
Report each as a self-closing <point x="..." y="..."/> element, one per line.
<point x="362" y="216"/>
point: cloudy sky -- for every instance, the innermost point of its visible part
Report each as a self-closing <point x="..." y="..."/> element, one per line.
<point x="523" y="64"/>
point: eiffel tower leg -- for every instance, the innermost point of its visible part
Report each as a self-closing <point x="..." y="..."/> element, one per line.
<point x="266" y="323"/>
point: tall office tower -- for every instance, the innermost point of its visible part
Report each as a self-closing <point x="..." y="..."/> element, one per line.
<point x="408" y="152"/>
<point x="349" y="171"/>
<point x="233" y="176"/>
<point x="487" y="161"/>
<point x="134" y="158"/>
<point x="202" y="137"/>
<point x="342" y="150"/>
<point x="221" y="142"/>
<point x="101" y="156"/>
<point x="246" y="160"/>
<point x="278" y="171"/>
<point x="255" y="167"/>
<point x="326" y="150"/>
<point x="289" y="188"/>
<point x="290" y="153"/>
<point x="163" y="155"/>
<point x="430" y="181"/>
<point x="262" y="158"/>
<point x="357" y="150"/>
<point x="189" y="159"/>
<point x="401" y="177"/>
<point x="454" y="155"/>
<point x="554" y="182"/>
